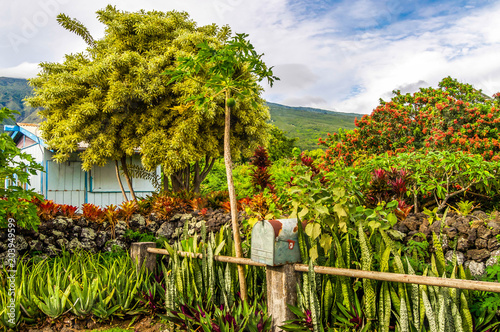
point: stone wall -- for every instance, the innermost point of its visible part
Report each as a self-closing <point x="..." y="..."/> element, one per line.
<point x="474" y="237"/>
<point x="67" y="234"/>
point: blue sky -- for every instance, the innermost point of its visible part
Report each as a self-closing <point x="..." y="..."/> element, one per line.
<point x="336" y="55"/>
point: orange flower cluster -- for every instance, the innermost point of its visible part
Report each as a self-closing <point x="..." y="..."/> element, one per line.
<point x="453" y="117"/>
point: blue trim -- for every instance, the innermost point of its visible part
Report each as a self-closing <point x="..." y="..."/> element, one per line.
<point x="85" y="195"/>
<point x="46" y="178"/>
<point x="28" y="146"/>
<point x="18" y="129"/>
<point x="91" y="183"/>
<point x="41" y="179"/>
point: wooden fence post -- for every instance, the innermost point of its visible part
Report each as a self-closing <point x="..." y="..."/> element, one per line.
<point x="281" y="290"/>
<point x="139" y="253"/>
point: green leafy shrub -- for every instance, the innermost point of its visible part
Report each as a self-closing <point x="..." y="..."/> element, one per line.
<point x="97" y="285"/>
<point x="15" y="169"/>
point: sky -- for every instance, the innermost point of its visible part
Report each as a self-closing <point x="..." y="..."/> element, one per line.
<point x="337" y="55"/>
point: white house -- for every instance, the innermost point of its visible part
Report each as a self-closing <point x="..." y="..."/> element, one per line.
<point x="67" y="183"/>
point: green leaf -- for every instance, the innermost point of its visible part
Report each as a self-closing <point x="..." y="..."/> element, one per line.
<point x="313" y="253"/>
<point x="313" y="230"/>
<point x="326" y="242"/>
<point x="321" y="209"/>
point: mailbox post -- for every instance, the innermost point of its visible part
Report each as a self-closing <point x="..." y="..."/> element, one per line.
<point x="275" y="243"/>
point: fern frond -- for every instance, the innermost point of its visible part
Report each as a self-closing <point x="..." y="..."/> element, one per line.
<point x="139" y="172"/>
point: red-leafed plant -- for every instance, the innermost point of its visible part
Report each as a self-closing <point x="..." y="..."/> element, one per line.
<point x="47" y="210"/>
<point x="226" y="206"/>
<point x="309" y="162"/>
<point x="386" y="186"/>
<point x="69" y="211"/>
<point x="204" y="212"/>
<point x="162" y="207"/>
<point x="216" y="198"/>
<point x="92" y="212"/>
<point x="127" y="209"/>
<point x="198" y="203"/>
<point x="261" y="179"/>
<point x="403" y="210"/>
<point x="111" y="215"/>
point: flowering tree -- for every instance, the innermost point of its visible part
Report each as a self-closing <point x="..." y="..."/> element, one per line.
<point x="453" y="117"/>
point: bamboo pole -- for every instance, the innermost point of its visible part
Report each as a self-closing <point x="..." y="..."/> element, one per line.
<point x="405" y="278"/>
<point x="224" y="259"/>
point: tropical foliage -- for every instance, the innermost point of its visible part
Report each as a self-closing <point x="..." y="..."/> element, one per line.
<point x="15" y="169"/>
<point x="113" y="98"/>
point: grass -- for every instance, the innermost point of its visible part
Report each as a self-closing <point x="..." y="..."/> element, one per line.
<point x="114" y="329"/>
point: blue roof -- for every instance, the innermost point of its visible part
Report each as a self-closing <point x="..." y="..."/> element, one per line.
<point x="18" y="130"/>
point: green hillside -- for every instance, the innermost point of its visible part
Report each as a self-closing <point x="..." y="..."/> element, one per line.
<point x="12" y="93"/>
<point x="309" y="124"/>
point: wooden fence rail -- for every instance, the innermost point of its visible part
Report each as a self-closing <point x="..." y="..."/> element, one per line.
<point x="282" y="280"/>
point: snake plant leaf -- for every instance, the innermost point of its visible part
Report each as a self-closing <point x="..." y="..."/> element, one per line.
<point x="440" y="261"/>
<point x="403" y="316"/>
<point x="368" y="284"/>
<point x="466" y="314"/>
<point x="415" y="298"/>
<point x="429" y="311"/>
<point x="328" y="299"/>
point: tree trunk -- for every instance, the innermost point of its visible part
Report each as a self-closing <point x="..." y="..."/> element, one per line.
<point x="127" y="177"/>
<point x="232" y="199"/>
<point x="415" y="199"/>
<point x="200" y="175"/>
<point x="165" y="182"/>
<point x="182" y="180"/>
<point x="117" y="169"/>
<point x="177" y="180"/>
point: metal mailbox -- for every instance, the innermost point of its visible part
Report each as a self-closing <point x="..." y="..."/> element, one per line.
<point x="275" y="242"/>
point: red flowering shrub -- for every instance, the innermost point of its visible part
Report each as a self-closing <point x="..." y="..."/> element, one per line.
<point x="452" y="117"/>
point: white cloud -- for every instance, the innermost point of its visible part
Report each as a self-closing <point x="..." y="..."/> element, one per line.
<point x="342" y="55"/>
<point x="23" y="70"/>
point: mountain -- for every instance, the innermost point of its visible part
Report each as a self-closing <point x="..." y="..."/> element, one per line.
<point x="12" y="93"/>
<point x="306" y="124"/>
<point x="309" y="124"/>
